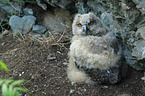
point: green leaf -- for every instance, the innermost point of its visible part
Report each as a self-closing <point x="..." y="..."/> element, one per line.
<point x="4" y="90"/>
<point x="1" y="81"/>
<point x="3" y="66"/>
<point x="17" y="93"/>
<point x="5" y="87"/>
<point x="11" y="91"/>
<point x="21" y="89"/>
<point x="7" y="81"/>
<point x="17" y="82"/>
<point x="10" y="87"/>
<point x="16" y="89"/>
<point x="7" y="1"/>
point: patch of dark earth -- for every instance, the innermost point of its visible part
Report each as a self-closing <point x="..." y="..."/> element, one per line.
<point x="44" y="66"/>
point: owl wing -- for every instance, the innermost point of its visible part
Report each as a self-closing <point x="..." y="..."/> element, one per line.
<point x="84" y="57"/>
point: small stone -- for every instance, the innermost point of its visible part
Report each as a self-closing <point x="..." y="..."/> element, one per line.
<point x="16" y="24"/>
<point x="106" y="87"/>
<point x="141" y="31"/>
<point x="72" y="83"/>
<point x="20" y="74"/>
<point x="21" y="25"/>
<point x="28" y="11"/>
<point x="72" y="91"/>
<point x="96" y="6"/>
<point x="39" y="29"/>
<point x="59" y="21"/>
<point x="109" y="20"/>
<point x="140" y="4"/>
<point x="139" y="50"/>
<point x="3" y="43"/>
<point x="42" y="5"/>
<point x="32" y="77"/>
<point x="28" y="22"/>
<point x="35" y="35"/>
<point x="10" y="9"/>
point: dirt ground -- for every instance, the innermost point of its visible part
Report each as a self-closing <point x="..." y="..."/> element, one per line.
<point x="45" y="67"/>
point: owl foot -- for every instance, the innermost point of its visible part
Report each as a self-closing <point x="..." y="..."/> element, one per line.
<point x="111" y="76"/>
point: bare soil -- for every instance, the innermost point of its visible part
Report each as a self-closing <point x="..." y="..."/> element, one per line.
<point x="45" y="66"/>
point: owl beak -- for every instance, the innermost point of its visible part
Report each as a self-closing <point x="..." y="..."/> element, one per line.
<point x="85" y="29"/>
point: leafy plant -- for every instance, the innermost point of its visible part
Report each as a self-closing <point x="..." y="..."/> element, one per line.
<point x="3" y="66"/>
<point x="10" y="87"/>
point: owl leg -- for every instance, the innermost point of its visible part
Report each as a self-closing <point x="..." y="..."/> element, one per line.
<point x="111" y="75"/>
<point x="76" y="75"/>
<point x="114" y="76"/>
<point x="116" y="73"/>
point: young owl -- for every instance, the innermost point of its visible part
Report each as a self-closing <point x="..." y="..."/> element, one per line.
<point x="95" y="55"/>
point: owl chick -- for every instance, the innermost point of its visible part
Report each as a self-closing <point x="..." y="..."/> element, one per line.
<point x="95" y="55"/>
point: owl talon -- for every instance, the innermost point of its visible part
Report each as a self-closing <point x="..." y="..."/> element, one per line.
<point x="114" y="78"/>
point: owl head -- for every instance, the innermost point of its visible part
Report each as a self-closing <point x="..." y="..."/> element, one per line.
<point x="88" y="24"/>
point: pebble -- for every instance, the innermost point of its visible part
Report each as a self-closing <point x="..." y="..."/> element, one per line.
<point x="72" y="91"/>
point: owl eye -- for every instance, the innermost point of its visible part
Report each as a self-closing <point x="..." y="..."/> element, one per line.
<point x="79" y="25"/>
<point x="91" y="23"/>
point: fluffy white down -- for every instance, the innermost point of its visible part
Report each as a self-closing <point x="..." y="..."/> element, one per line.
<point x="76" y="75"/>
<point x="95" y="51"/>
<point x="82" y="53"/>
<point x="84" y="56"/>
